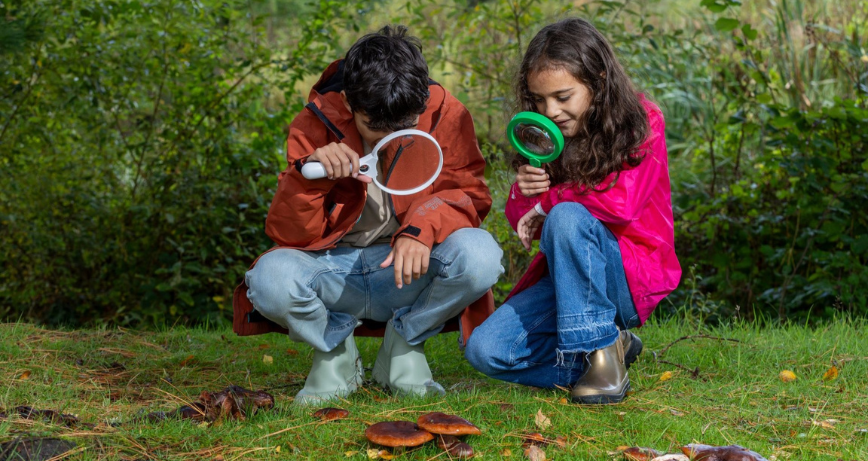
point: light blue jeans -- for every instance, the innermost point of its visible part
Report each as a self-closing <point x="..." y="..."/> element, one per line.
<point x="319" y="296"/>
<point x="540" y="336"/>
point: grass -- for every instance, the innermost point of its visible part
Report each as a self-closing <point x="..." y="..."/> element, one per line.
<point x="724" y="389"/>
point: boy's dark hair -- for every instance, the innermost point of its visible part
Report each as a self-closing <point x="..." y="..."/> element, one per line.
<point x="615" y="124"/>
<point x="386" y="78"/>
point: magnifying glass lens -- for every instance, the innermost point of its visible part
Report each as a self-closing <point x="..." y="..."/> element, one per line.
<point x="534" y="139"/>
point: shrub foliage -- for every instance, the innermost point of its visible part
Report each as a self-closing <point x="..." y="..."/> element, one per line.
<point x="140" y="141"/>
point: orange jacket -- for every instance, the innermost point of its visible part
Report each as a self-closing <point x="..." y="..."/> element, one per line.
<point x="316" y="214"/>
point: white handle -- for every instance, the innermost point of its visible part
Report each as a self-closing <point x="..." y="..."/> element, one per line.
<point x="313" y="170"/>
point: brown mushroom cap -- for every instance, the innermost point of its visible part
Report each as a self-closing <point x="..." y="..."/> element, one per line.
<point x="440" y="423"/>
<point x="397" y="434"/>
<point x="328" y="414"/>
<point x="454" y="447"/>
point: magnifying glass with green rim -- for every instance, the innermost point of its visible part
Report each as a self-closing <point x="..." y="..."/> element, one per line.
<point x="535" y="137"/>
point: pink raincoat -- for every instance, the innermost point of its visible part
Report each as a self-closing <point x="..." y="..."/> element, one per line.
<point x="638" y="210"/>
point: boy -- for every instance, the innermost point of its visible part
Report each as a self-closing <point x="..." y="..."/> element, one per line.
<point x="338" y="236"/>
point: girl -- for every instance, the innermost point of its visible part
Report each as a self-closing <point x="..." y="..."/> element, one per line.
<point x="603" y="214"/>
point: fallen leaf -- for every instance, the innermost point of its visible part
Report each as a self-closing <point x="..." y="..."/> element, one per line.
<point x="25" y="375"/>
<point x="535" y="453"/>
<point x="350" y="454"/>
<point x="561" y="441"/>
<point x="506" y="453"/>
<point x="384" y="454"/>
<point x="787" y="376"/>
<point x="267" y="359"/>
<point x="563" y="400"/>
<point x="187" y="360"/>
<point x="666" y="376"/>
<point x="827" y="424"/>
<point x="264" y="346"/>
<point x="830" y="374"/>
<point x="292" y="352"/>
<point x="373" y="453"/>
<point x="277" y="449"/>
<point x="542" y="421"/>
<point x="676" y="412"/>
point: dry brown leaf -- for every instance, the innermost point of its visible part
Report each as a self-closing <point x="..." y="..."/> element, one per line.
<point x="267" y="359"/>
<point x="25" y="375"/>
<point x="506" y="453"/>
<point x="186" y="361"/>
<point x="292" y="352"/>
<point x="264" y="346"/>
<point x="826" y="424"/>
<point x="535" y="453"/>
<point x="542" y="421"/>
<point x="830" y="374"/>
<point x="373" y="453"/>
<point x="666" y="376"/>
<point x="787" y="376"/>
<point x="350" y="454"/>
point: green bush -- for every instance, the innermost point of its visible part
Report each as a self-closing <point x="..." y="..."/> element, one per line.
<point x="140" y="141"/>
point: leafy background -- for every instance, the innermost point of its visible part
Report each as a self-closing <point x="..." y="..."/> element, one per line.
<point x="140" y="142"/>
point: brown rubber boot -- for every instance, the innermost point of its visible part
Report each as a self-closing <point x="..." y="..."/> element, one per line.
<point x="606" y="379"/>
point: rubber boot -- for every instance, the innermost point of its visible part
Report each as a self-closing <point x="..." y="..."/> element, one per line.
<point x="632" y="347"/>
<point x="403" y="368"/>
<point x="606" y="379"/>
<point x="334" y="374"/>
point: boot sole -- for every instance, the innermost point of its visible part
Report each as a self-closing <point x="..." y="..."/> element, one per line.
<point x="602" y="399"/>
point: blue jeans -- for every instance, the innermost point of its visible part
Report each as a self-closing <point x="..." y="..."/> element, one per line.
<point x="540" y="336"/>
<point x="319" y="296"/>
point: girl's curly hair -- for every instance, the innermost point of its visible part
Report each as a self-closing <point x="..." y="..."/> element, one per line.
<point x="615" y="124"/>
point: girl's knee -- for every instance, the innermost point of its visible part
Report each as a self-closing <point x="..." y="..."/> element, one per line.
<point x="478" y="352"/>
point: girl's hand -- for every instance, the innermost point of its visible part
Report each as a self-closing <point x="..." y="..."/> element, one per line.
<point x="527" y="227"/>
<point x="532" y="181"/>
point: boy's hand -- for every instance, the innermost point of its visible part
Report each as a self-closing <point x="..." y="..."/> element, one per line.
<point x="527" y="227"/>
<point x="532" y="181"/>
<point x="339" y="161"/>
<point x="411" y="259"/>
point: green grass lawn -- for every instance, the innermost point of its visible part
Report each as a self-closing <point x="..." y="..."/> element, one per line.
<point x="724" y="389"/>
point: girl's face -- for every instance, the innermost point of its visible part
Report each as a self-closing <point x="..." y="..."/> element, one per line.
<point x="560" y="97"/>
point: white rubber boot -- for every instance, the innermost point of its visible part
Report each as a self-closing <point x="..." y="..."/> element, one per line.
<point x="403" y="368"/>
<point x="334" y="374"/>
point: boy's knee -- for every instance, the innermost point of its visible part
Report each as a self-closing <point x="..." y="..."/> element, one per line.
<point x="478" y="255"/>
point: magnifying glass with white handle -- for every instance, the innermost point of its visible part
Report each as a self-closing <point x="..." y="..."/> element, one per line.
<point x="402" y="163"/>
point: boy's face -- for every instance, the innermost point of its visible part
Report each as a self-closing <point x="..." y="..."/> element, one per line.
<point x="370" y="136"/>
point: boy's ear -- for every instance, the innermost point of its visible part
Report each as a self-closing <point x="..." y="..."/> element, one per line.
<point x="344" y="100"/>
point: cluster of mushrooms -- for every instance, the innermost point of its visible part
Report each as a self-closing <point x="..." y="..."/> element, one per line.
<point x="233" y="402"/>
<point x="694" y="452"/>
<point x="446" y="428"/>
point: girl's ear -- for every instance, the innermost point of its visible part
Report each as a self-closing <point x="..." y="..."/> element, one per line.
<point x="603" y="74"/>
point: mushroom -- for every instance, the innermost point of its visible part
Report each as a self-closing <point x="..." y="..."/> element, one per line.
<point x="699" y="452"/>
<point x="441" y="423"/>
<point x="454" y="447"/>
<point x="641" y="454"/>
<point x="397" y="434"/>
<point x="329" y="414"/>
